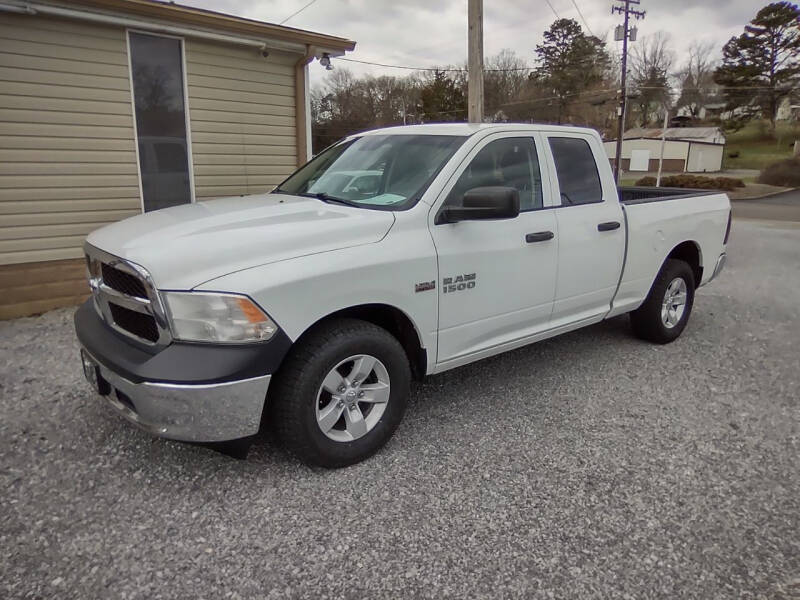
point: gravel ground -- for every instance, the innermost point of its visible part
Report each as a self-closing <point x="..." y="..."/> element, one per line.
<point x="588" y="466"/>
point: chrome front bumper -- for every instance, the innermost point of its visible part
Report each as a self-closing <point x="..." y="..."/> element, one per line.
<point x="192" y="413"/>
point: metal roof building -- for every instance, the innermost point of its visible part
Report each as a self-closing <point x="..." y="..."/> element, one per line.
<point x="686" y="149"/>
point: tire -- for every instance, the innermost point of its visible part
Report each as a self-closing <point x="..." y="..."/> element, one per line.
<point x="653" y="321"/>
<point x="307" y="393"/>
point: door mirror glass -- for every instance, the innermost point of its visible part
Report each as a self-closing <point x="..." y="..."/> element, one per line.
<point x="491" y="202"/>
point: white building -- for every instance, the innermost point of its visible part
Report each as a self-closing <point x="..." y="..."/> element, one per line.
<point x="686" y="149"/>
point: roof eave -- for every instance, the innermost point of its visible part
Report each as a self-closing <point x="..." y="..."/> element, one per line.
<point x="195" y="17"/>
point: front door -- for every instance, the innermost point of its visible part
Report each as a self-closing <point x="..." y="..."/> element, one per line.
<point x="496" y="278"/>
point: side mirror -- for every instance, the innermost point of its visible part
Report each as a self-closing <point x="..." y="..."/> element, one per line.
<point x="496" y="202"/>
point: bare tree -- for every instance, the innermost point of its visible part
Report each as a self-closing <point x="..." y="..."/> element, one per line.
<point x="697" y="78"/>
<point x="504" y="79"/>
<point x="650" y="64"/>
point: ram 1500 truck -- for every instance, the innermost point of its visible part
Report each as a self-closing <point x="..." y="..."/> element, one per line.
<point x="392" y="254"/>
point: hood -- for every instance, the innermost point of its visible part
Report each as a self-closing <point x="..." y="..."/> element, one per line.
<point x="186" y="245"/>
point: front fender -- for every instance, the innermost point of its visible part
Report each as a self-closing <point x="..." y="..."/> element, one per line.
<point x="299" y="292"/>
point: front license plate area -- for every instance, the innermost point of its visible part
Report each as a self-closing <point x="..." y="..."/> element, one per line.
<point x="92" y="373"/>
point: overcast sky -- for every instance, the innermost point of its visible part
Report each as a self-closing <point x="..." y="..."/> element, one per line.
<point x="434" y="32"/>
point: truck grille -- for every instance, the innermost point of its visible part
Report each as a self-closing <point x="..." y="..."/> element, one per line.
<point x="122" y="282"/>
<point x="126" y="299"/>
<point x="139" y="324"/>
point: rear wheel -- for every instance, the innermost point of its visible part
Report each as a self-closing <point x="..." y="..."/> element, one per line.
<point x="341" y="393"/>
<point x="664" y="314"/>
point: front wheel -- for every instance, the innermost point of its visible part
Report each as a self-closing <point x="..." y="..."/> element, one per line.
<point x="341" y="393"/>
<point x="665" y="312"/>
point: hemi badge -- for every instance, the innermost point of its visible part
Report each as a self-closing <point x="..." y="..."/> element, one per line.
<point x="425" y="286"/>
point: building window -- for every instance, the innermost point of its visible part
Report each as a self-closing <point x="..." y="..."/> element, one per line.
<point x="158" y="94"/>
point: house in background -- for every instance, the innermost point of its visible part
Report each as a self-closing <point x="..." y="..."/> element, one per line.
<point x="113" y="107"/>
<point x="789" y="108"/>
<point x="686" y="149"/>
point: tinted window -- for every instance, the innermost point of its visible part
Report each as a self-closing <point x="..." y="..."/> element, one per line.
<point x="157" y="73"/>
<point x="577" y="171"/>
<point x="509" y="162"/>
<point x="171" y="158"/>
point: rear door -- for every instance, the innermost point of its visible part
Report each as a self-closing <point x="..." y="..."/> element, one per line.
<point x="496" y="277"/>
<point x="591" y="242"/>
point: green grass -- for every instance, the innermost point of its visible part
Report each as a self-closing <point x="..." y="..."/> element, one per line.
<point x="757" y="148"/>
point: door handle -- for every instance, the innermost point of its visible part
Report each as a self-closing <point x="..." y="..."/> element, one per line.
<point x="608" y="226"/>
<point x="539" y="236"/>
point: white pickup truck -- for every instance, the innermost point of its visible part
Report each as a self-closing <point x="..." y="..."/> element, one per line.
<point x="393" y="254"/>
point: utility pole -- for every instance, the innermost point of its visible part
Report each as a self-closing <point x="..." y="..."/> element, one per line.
<point x="624" y="35"/>
<point x="663" y="141"/>
<point x="475" y="61"/>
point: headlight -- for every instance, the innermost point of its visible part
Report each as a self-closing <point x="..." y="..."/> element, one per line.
<point x="208" y="317"/>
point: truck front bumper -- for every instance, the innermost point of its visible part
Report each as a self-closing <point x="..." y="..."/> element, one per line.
<point x="187" y="392"/>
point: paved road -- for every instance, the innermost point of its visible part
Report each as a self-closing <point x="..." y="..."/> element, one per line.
<point x="779" y="207"/>
<point x="589" y="466"/>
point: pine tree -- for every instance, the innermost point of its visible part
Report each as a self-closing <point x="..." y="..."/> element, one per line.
<point x="442" y="99"/>
<point x="762" y="66"/>
<point x="569" y="62"/>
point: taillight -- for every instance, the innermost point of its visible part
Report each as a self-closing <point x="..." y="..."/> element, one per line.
<point x="728" y="228"/>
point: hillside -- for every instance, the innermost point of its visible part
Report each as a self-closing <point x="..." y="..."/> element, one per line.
<point x="757" y="148"/>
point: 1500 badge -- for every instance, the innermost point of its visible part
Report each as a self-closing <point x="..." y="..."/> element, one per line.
<point x="458" y="283"/>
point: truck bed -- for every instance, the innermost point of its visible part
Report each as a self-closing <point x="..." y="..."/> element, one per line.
<point x="640" y="195"/>
<point x="657" y="220"/>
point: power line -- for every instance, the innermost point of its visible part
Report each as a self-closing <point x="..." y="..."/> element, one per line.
<point x="580" y="14"/>
<point x="443" y="70"/>
<point x="519" y="69"/>
<point x="553" y="9"/>
<point x="377" y="64"/>
<point x="297" y="12"/>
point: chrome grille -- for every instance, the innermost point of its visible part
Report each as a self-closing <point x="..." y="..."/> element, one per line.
<point x="122" y="281"/>
<point x="126" y="298"/>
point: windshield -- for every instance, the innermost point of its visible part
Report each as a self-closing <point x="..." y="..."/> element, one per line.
<point x="376" y="171"/>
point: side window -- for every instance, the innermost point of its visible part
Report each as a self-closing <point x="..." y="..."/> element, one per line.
<point x="577" y="171"/>
<point x="509" y="162"/>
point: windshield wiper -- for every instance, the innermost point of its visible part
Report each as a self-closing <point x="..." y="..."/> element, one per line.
<point x="330" y="199"/>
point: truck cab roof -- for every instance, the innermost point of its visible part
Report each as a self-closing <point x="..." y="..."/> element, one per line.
<point x="468" y="129"/>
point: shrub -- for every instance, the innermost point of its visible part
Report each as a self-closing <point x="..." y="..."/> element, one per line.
<point x="784" y="173"/>
<point x="686" y="180"/>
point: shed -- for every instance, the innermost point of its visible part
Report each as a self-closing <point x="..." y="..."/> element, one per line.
<point x="113" y="107"/>
<point x="686" y="149"/>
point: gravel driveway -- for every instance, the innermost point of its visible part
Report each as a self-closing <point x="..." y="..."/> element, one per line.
<point x="589" y="466"/>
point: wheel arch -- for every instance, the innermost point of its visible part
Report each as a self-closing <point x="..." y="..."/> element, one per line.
<point x="690" y="253"/>
<point x="393" y="320"/>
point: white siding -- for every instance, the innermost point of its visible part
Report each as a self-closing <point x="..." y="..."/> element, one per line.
<point x="67" y="151"/>
<point x="672" y="149"/>
<point x="67" y="157"/>
<point x="705" y="158"/>
<point x="242" y="112"/>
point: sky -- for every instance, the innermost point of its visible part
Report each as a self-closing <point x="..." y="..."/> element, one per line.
<point x="424" y="33"/>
